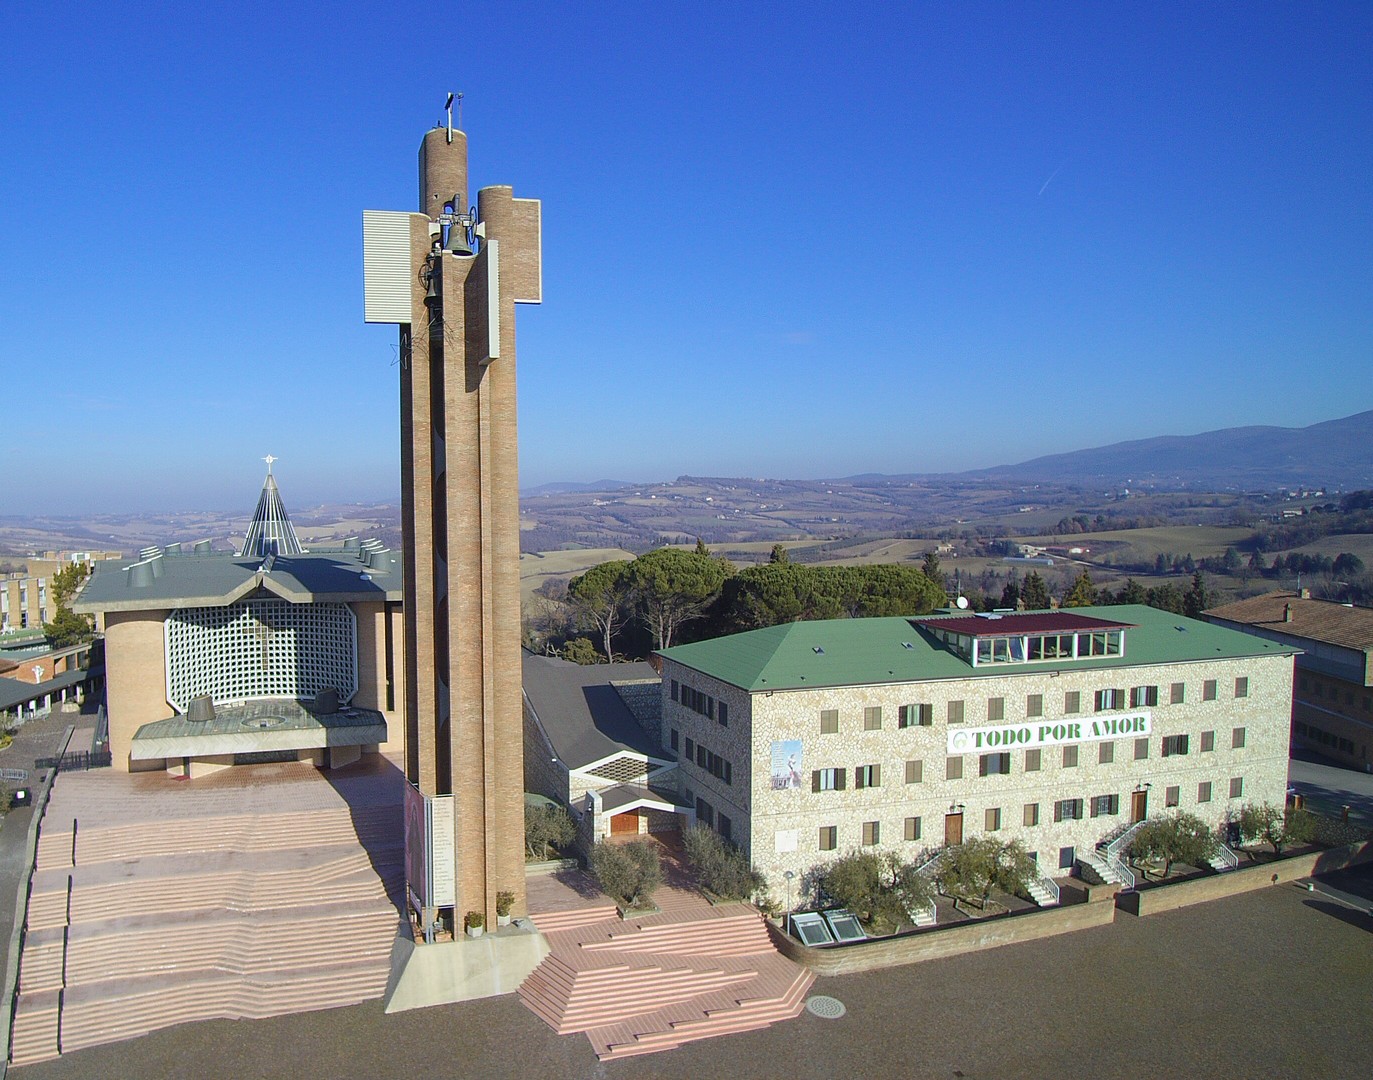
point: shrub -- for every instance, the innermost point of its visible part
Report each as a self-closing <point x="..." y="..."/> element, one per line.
<point x="545" y="825"/>
<point x="880" y="890"/>
<point x="976" y="867"/>
<point x="1275" y="825"/>
<point x="504" y="902"/>
<point x="627" y="873"/>
<point x="721" y="868"/>
<point x="474" y="920"/>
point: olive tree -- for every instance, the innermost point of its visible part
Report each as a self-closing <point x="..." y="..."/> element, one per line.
<point x="1276" y="825"/>
<point x="721" y="868"/>
<point x="975" y="867"/>
<point x="881" y="890"/>
<point x="628" y="873"/>
<point x="1178" y="838"/>
<point x="547" y="825"/>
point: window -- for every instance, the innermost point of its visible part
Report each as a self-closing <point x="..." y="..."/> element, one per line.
<point x="1034" y="705"/>
<point x="705" y="813"/>
<point x="1171" y="795"/>
<point x="1105" y="752"/>
<point x="1072" y="702"/>
<point x="1236" y="787"/>
<point x="1208" y="690"/>
<point x="915" y="772"/>
<point x="723" y="826"/>
<point x="996" y="710"/>
<point x="1177" y="694"/>
<point x="993" y="819"/>
<point x="1305" y="684"/>
<point x="955" y="712"/>
<point x="673" y="738"/>
<point x="1242" y="688"/>
<point x="1237" y="738"/>
<point x="872" y="718"/>
<point x="953" y="768"/>
<point x="723" y="714"/>
<point x="675" y="690"/>
<point x="829" y="721"/>
<point x="865" y="776"/>
<point x="698" y="702"/>
<point x="690" y="748"/>
<point x="1068" y="810"/>
<point x="827" y="780"/>
<point x="912" y="828"/>
<point x="829" y="837"/>
<point x="1103" y="805"/>
<point x="1032" y="760"/>
<point x="1141" y="749"/>
<point x="872" y="833"/>
<point x="1143" y="696"/>
<point x="995" y="765"/>
<point x="1208" y="741"/>
<point x="1070" y="757"/>
<point x="1066" y="857"/>
<point x="1107" y="700"/>
<point x="1174" y="745"/>
<point x="1204" y="791"/>
<point x="1031" y="814"/>
<point x="915" y="716"/>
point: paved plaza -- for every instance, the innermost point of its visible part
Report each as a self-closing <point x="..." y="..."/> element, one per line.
<point x="1276" y="983"/>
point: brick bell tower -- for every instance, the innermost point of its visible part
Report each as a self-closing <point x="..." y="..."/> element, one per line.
<point x="450" y="277"/>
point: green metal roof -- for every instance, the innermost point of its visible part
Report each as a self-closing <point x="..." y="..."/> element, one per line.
<point x="860" y="652"/>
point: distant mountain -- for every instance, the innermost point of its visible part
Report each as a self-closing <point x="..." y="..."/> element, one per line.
<point x="563" y="487"/>
<point x="1334" y="454"/>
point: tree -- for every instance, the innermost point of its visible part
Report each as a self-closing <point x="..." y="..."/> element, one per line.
<point x="627" y="873"/>
<point x="721" y="868"/>
<point x="1083" y="592"/>
<point x="929" y="566"/>
<point x="1197" y="598"/>
<point x="581" y="651"/>
<point x="67" y="581"/>
<point x="602" y="596"/>
<point x="1347" y="565"/>
<point x="701" y="548"/>
<point x="1276" y="825"/>
<point x="1181" y="837"/>
<point x="881" y="890"/>
<point x="674" y="587"/>
<point x="1034" y="593"/>
<point x="547" y="825"/>
<point x="779" y="556"/>
<point x="975" y="867"/>
<point x="1132" y="592"/>
<point x="1010" y="595"/>
<point x="67" y="627"/>
<point x="1166" y="597"/>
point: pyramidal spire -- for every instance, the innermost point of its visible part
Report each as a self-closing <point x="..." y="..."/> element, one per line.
<point x="270" y="532"/>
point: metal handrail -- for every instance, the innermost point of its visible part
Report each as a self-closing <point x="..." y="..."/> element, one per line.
<point x="1111" y="855"/>
<point x="1050" y="886"/>
<point x="1227" y="856"/>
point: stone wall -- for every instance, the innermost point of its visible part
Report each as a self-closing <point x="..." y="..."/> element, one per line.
<point x="1218" y="886"/>
<point x="644" y="698"/>
<point x="948" y="941"/>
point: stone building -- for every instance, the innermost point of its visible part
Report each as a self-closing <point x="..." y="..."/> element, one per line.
<point x="1332" y="702"/>
<point x="807" y="740"/>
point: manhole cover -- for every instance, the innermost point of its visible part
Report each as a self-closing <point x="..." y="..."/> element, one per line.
<point x="827" y="1008"/>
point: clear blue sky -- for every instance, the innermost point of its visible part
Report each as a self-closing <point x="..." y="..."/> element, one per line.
<point x="780" y="240"/>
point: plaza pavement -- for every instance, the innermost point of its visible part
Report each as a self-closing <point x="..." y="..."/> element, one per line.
<point x="1328" y="787"/>
<point x="1276" y="983"/>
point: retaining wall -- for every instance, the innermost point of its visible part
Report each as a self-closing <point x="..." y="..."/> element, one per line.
<point x="947" y="941"/>
<point x="1231" y="883"/>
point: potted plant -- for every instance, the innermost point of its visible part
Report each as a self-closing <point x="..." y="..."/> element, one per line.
<point x="474" y="921"/>
<point x="504" y="901"/>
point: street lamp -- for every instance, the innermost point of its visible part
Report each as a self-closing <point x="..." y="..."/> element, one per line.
<point x="789" y="875"/>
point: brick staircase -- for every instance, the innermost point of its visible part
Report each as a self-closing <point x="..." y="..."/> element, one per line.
<point x="199" y="915"/>
<point x="690" y="972"/>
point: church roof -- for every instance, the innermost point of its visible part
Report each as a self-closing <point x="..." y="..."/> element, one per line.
<point x="270" y="532"/>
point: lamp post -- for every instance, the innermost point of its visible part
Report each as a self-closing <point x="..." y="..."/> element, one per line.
<point x="789" y="875"/>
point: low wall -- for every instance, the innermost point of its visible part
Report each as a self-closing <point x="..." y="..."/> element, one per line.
<point x="1233" y="882"/>
<point x="947" y="941"/>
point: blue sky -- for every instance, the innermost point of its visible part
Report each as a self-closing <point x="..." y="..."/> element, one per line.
<point x="780" y="240"/>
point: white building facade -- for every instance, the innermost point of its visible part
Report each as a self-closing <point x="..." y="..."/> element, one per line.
<point x="807" y="741"/>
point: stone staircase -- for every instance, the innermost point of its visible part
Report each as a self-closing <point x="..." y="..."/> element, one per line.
<point x="1223" y="859"/>
<point x="691" y="972"/>
<point x="196" y="915"/>
<point x="1093" y="868"/>
<point x="1044" y="892"/>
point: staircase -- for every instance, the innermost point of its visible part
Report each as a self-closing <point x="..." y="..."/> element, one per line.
<point x="176" y="913"/>
<point x="1095" y="868"/>
<point x="1223" y="859"/>
<point x="1044" y="891"/>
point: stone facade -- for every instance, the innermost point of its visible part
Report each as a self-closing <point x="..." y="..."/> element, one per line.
<point x="780" y="826"/>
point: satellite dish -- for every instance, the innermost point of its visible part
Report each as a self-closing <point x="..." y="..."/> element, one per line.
<point x="962" y="603"/>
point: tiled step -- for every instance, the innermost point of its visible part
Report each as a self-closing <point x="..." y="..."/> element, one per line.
<point x="33" y="1036"/>
<point x="554" y="922"/>
<point x="741" y="935"/>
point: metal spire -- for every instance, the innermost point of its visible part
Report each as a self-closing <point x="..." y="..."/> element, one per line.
<point x="270" y="532"/>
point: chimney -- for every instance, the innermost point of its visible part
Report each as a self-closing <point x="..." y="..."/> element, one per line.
<point x="1305" y="594"/>
<point x="1287" y="613"/>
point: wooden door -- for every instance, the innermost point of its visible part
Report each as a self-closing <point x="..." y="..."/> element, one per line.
<point x="953" y="828"/>
<point x="624" y="824"/>
<point x="1139" y="805"/>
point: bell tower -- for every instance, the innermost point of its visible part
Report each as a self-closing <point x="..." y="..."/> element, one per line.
<point x="450" y="276"/>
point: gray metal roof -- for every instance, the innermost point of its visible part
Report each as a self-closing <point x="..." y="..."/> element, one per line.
<point x="189" y="579"/>
<point x="256" y="726"/>
<point x="16" y="692"/>
<point x="583" y="715"/>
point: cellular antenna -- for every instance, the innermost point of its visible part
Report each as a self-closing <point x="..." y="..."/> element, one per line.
<point x="448" y="108"/>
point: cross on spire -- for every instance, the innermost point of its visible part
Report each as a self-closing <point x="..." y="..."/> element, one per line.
<point x="269" y="459"/>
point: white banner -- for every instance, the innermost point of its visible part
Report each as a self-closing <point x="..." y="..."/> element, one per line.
<point x="1048" y="733"/>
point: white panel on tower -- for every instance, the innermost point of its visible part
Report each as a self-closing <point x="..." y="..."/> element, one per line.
<point x="386" y="266"/>
<point x="493" y="299"/>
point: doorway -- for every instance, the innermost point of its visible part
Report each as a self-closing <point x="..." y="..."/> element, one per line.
<point x="624" y="824"/>
<point x="953" y="829"/>
<point x="1139" y="805"/>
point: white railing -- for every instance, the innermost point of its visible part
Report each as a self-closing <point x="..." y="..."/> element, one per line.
<point x="1112" y="855"/>
<point x="1050" y="886"/>
<point x="1228" y="857"/>
<point x="927" y="909"/>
